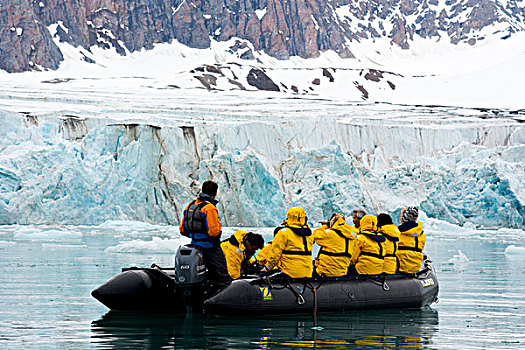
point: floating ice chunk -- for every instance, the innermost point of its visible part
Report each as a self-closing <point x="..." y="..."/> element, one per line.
<point x="511" y="231"/>
<point x="127" y="224"/>
<point x="156" y="245"/>
<point x="443" y="226"/>
<point x="513" y="250"/>
<point x="6" y="244"/>
<point x="127" y="228"/>
<point x="459" y="262"/>
<point x="84" y="258"/>
<point x="440" y="228"/>
<point x="37" y="234"/>
<point x="49" y="246"/>
<point x="516" y="255"/>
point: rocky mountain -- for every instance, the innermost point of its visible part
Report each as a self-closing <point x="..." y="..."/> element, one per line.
<point x="280" y="28"/>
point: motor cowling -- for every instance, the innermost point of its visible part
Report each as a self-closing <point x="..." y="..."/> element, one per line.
<point x="190" y="276"/>
<point x="189" y="266"/>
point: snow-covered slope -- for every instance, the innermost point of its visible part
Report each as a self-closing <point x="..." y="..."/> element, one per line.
<point x="430" y="72"/>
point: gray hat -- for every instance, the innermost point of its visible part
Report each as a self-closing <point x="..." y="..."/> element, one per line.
<point x="409" y="214"/>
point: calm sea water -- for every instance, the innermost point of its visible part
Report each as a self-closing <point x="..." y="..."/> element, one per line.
<point x="47" y="274"/>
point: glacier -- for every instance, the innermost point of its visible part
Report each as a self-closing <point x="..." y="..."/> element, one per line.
<point x="459" y="165"/>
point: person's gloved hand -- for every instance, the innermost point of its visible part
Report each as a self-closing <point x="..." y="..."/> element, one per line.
<point x="252" y="269"/>
<point x="264" y="272"/>
<point x="258" y="267"/>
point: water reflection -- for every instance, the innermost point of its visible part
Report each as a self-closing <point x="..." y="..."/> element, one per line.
<point x="392" y="329"/>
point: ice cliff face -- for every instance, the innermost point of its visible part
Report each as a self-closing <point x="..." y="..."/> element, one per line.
<point x="279" y="28"/>
<point x="66" y="169"/>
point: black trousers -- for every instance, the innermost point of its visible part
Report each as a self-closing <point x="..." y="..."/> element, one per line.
<point x="352" y="271"/>
<point x="216" y="264"/>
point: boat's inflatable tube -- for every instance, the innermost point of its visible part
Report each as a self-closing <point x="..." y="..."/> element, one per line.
<point x="307" y="295"/>
<point x="155" y="289"/>
<point x="141" y="289"/>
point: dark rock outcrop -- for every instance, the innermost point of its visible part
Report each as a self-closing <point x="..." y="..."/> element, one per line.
<point x="374" y="75"/>
<point x="208" y="80"/>
<point x="282" y="29"/>
<point x="25" y="42"/>
<point x="327" y="74"/>
<point x="261" y="81"/>
<point x="73" y="128"/>
<point x="362" y="89"/>
<point x="286" y="28"/>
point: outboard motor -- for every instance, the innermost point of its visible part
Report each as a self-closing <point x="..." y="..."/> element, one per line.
<point x="190" y="276"/>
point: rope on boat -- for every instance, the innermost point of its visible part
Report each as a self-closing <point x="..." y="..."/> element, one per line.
<point x="269" y="282"/>
<point x="386" y="287"/>
<point x="315" y="301"/>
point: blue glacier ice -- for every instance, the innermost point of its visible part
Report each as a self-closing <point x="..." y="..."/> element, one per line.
<point x="81" y="170"/>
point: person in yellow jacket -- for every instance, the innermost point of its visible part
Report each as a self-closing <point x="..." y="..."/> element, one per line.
<point x="238" y="249"/>
<point x="411" y="241"/>
<point x="258" y="261"/>
<point x="336" y="240"/>
<point x="357" y="215"/>
<point x="262" y="256"/>
<point x="292" y="246"/>
<point x="386" y="227"/>
<point x="369" y="248"/>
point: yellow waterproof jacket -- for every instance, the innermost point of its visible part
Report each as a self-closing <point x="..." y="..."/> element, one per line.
<point x="391" y="233"/>
<point x="233" y="249"/>
<point x="369" y="248"/>
<point x="262" y="255"/>
<point x="291" y="248"/>
<point x="337" y="244"/>
<point x="291" y="252"/>
<point x="411" y="244"/>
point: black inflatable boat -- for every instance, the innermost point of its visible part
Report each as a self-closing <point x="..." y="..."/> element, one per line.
<point x="184" y="288"/>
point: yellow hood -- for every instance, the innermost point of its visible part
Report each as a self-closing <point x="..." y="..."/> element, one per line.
<point x="338" y="223"/>
<point x="345" y="229"/>
<point x="390" y="230"/>
<point x="239" y="235"/>
<point x="368" y="223"/>
<point x="411" y="229"/>
<point x="296" y="216"/>
<point x="337" y="219"/>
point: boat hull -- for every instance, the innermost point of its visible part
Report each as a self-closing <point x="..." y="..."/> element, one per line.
<point x="155" y="289"/>
<point x="259" y="297"/>
<point x="140" y="289"/>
